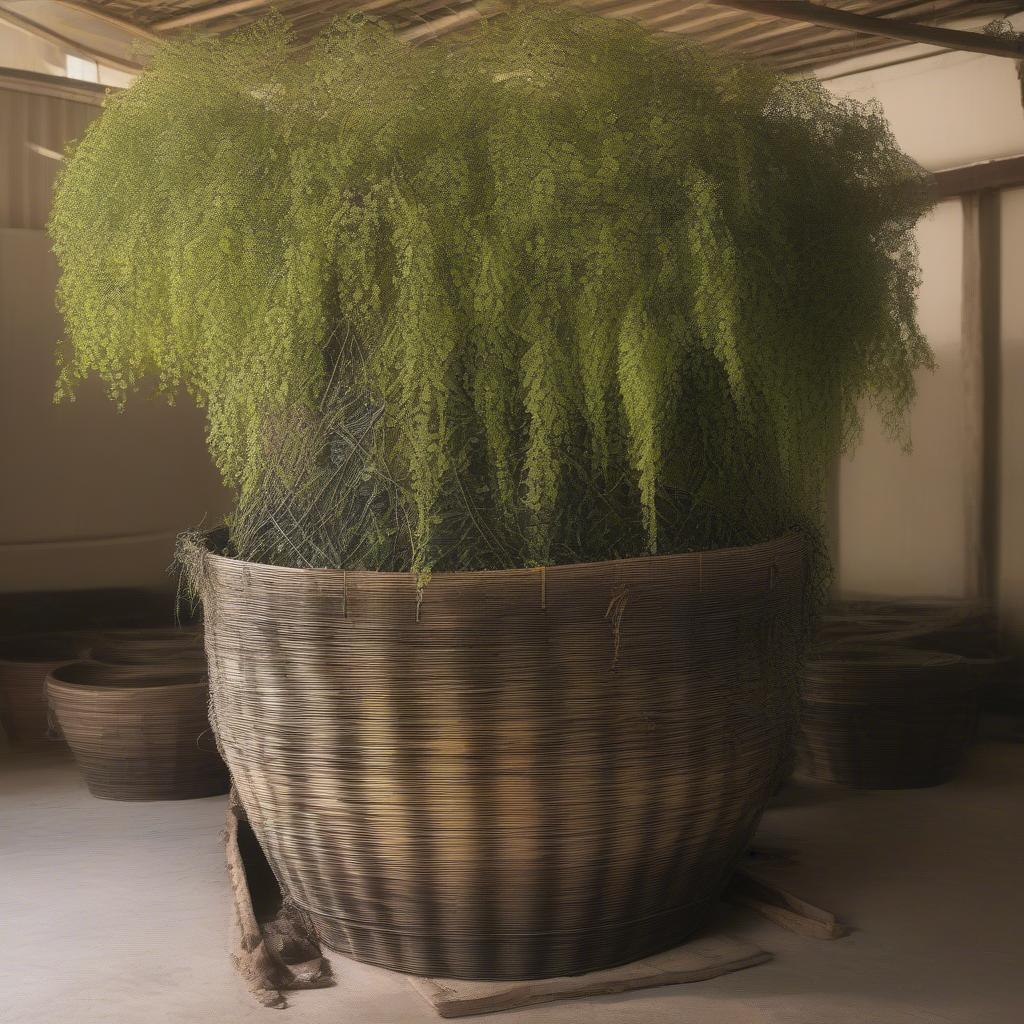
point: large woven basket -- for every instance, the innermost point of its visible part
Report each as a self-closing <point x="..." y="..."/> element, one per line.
<point x="886" y="717"/>
<point x="138" y="734"/>
<point x="25" y="663"/>
<point x="509" y="774"/>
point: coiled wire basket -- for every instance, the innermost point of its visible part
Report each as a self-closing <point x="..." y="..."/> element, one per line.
<point x="138" y="733"/>
<point x="506" y="774"/>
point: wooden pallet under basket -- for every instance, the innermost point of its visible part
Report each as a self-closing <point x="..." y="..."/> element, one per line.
<point x="138" y="733"/>
<point x="509" y="774"/>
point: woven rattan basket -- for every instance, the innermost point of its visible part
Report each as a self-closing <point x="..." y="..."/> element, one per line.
<point x="886" y="717"/>
<point x="138" y="734"/>
<point x="509" y="774"/>
<point x="25" y="663"/>
<point x="950" y="625"/>
<point x="149" y="646"/>
<point x="954" y="626"/>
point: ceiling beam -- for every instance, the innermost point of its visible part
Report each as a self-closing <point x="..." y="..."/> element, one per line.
<point x="437" y="27"/>
<point x="1007" y="172"/>
<point x="110" y="19"/>
<point x="67" y="44"/>
<point x="831" y="17"/>
<point x="211" y="13"/>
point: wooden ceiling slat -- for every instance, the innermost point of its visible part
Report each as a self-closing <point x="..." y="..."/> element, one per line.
<point x="744" y="30"/>
<point x="802" y="43"/>
<point x="628" y="8"/>
<point x="822" y="58"/>
<point x="807" y="48"/>
<point x="787" y="45"/>
<point x="696" y="24"/>
<point x="771" y="36"/>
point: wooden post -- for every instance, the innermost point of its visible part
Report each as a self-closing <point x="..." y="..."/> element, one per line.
<point x="980" y="348"/>
<point x="832" y="520"/>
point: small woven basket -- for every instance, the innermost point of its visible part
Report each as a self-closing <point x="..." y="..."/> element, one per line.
<point x="886" y="717"/>
<point x="951" y="625"/>
<point x="25" y="663"/>
<point x="138" y="734"/>
<point x="149" y="646"/>
<point x="507" y="774"/>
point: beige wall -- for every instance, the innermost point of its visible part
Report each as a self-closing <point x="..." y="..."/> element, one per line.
<point x="901" y="517"/>
<point x="88" y="497"/>
<point x="35" y="127"/>
<point x="22" y="49"/>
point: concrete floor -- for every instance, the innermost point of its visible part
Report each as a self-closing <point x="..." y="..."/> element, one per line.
<point x="118" y="914"/>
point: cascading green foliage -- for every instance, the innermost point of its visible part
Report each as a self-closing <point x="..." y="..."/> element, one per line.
<point x="558" y="291"/>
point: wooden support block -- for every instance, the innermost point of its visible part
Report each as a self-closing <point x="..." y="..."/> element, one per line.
<point x="698" y="960"/>
<point x="782" y="907"/>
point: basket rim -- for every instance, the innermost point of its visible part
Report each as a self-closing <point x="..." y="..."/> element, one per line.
<point x="782" y="541"/>
<point x="132" y="691"/>
<point x="84" y="688"/>
<point x="875" y="653"/>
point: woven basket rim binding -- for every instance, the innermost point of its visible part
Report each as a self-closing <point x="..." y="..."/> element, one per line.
<point x="905" y="621"/>
<point x="136" y="677"/>
<point x="147" y="633"/>
<point x="854" y="657"/>
<point x="199" y="543"/>
<point x="56" y="684"/>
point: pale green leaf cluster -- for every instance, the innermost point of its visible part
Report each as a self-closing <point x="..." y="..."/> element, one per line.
<point x="559" y="291"/>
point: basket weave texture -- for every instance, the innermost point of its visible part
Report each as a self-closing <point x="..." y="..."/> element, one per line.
<point x="25" y="663"/>
<point x="149" y="646"/>
<point x="885" y="717"/>
<point x="508" y="774"/>
<point x="950" y="625"/>
<point x="138" y="733"/>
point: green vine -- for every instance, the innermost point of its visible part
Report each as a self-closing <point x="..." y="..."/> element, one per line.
<point x="562" y="291"/>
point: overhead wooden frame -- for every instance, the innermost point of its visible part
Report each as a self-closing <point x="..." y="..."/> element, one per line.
<point x="67" y="43"/>
<point x="211" y="13"/>
<point x="794" y="36"/>
<point x="989" y="175"/>
<point x="909" y="31"/>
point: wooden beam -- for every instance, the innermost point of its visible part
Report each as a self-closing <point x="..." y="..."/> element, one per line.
<point x="110" y="19"/>
<point x="50" y="85"/>
<point x="913" y="32"/>
<point x="982" y="177"/>
<point x="67" y="44"/>
<point x="211" y="13"/>
<point x="980" y="354"/>
<point x="438" y="27"/>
